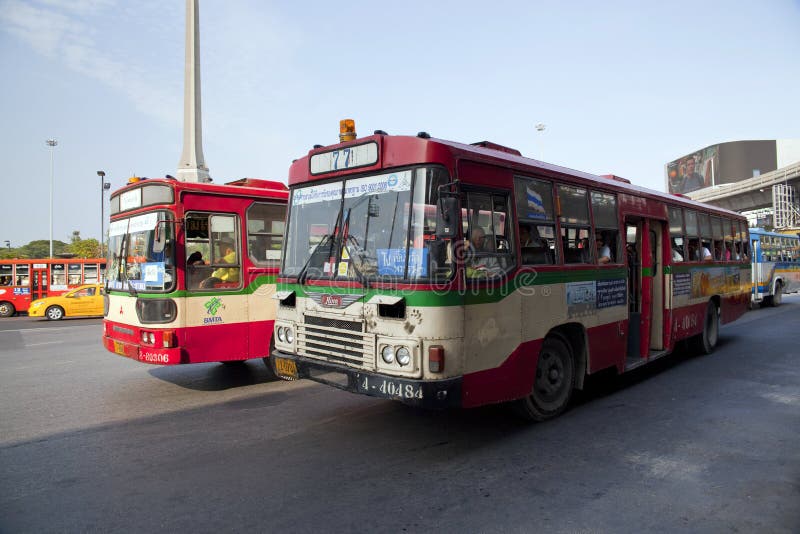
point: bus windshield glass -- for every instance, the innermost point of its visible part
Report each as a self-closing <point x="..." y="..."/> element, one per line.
<point x="375" y="227"/>
<point x="141" y="253"/>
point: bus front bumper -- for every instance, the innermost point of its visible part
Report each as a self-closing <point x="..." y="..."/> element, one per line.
<point x="154" y="355"/>
<point x="436" y="394"/>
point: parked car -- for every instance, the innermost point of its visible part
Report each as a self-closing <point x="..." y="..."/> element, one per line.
<point x="81" y="301"/>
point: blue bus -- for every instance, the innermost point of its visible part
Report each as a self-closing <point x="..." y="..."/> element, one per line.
<point x="776" y="266"/>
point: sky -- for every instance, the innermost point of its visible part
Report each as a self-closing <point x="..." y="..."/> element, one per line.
<point x="622" y="87"/>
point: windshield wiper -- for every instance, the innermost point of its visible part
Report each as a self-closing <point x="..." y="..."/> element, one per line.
<point x="360" y="277"/>
<point x="124" y="259"/>
<point x="301" y="275"/>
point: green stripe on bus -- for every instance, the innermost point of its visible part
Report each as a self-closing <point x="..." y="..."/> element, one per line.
<point x="473" y="295"/>
<point x="249" y="290"/>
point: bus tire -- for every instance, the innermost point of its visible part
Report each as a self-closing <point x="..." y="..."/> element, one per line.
<point x="553" y="383"/>
<point x="269" y="363"/>
<point x="777" y="296"/>
<point x="6" y="309"/>
<point x="707" y="341"/>
<point x="54" y="313"/>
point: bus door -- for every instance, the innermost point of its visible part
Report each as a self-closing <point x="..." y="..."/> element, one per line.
<point x="39" y="281"/>
<point x="756" y="272"/>
<point x="655" y="273"/>
<point x="633" y="250"/>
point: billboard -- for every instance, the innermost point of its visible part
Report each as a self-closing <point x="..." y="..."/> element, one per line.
<point x="694" y="171"/>
<point x="723" y="163"/>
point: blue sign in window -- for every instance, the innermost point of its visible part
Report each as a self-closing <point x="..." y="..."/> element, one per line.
<point x="392" y="262"/>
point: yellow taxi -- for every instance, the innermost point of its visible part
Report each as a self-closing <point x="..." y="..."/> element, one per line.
<point x="83" y="300"/>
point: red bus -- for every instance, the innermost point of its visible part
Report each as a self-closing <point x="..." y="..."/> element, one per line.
<point x="192" y="270"/>
<point x="443" y="274"/>
<point x="24" y="280"/>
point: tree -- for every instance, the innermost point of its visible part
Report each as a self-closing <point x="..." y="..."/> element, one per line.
<point x="41" y="249"/>
<point x="85" y="248"/>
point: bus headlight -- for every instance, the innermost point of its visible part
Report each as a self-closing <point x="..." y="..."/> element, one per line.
<point x="403" y="356"/>
<point x="280" y="334"/>
<point x="387" y="353"/>
<point x="289" y="334"/>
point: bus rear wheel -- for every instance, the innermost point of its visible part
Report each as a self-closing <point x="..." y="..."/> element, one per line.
<point x="707" y="341"/>
<point x="54" y="313"/>
<point x="6" y="309"/>
<point x="553" y="384"/>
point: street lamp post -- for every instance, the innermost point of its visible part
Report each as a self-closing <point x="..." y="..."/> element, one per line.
<point x="52" y="143"/>
<point x="103" y="187"/>
<point x="540" y="128"/>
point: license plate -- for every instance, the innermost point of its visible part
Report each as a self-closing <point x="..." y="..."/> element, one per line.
<point x="389" y="388"/>
<point x="286" y="368"/>
<point x="119" y="348"/>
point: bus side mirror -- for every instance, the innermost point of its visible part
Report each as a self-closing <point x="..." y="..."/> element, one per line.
<point x="447" y="217"/>
<point x="159" y="240"/>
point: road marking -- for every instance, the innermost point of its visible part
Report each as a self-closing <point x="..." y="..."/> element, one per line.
<point x="45" y="329"/>
<point x="45" y="343"/>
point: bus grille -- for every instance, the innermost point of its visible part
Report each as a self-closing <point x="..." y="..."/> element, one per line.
<point x="336" y="340"/>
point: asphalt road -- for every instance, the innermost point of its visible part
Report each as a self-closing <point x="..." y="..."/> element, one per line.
<point x="90" y="441"/>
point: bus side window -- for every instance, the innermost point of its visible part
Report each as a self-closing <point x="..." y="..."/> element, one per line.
<point x="265" y="228"/>
<point x="575" y="224"/>
<point x="706" y="242"/>
<point x="730" y="253"/>
<point x="743" y="241"/>
<point x="488" y="252"/>
<point x="606" y="227"/>
<point x="692" y="236"/>
<point x="537" y="228"/>
<point x="718" y="232"/>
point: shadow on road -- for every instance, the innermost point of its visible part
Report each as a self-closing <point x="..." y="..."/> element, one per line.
<point x="213" y="376"/>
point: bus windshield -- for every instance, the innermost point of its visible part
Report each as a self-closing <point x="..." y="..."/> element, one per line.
<point x="380" y="226"/>
<point x="141" y="253"/>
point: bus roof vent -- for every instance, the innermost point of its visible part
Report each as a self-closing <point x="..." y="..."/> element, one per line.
<point x="617" y="178"/>
<point x="495" y="146"/>
<point x="255" y="182"/>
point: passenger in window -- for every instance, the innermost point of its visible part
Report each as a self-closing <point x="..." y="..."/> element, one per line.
<point x="479" y="266"/>
<point x="676" y="255"/>
<point x="5" y="281"/>
<point x="529" y="236"/>
<point x="603" y="250"/>
<point x="195" y="258"/>
<point x="700" y="253"/>
<point x="227" y="255"/>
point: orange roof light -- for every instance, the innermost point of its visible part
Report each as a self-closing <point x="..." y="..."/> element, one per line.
<point x="134" y="179"/>
<point x="347" y="130"/>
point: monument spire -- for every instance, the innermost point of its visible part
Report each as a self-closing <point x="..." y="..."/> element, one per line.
<point x="192" y="167"/>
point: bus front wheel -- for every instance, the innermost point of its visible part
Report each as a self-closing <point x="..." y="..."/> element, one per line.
<point x="552" y="386"/>
<point x="54" y="313"/>
<point x="707" y="341"/>
<point x="269" y="362"/>
<point x="777" y="297"/>
<point x="6" y="309"/>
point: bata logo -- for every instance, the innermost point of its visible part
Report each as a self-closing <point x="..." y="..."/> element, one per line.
<point x="331" y="301"/>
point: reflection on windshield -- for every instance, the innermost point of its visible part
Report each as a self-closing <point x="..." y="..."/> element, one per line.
<point x="141" y="253"/>
<point x="374" y="227"/>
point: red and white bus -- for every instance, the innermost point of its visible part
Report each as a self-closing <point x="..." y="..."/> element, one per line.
<point x="192" y="270"/>
<point x="24" y="280"/>
<point x="442" y="274"/>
